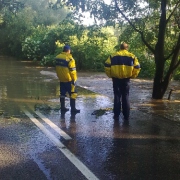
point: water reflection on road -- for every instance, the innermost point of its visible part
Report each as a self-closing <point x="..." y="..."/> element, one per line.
<point x="21" y="82"/>
<point x="147" y="148"/>
<point x="140" y="94"/>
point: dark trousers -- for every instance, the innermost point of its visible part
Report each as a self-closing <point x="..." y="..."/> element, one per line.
<point x="121" y="97"/>
<point x="68" y="87"/>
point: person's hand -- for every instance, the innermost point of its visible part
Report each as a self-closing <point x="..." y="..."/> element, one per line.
<point x="74" y="83"/>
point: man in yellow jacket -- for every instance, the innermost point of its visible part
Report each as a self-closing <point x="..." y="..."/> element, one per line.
<point x="66" y="72"/>
<point x="121" y="67"/>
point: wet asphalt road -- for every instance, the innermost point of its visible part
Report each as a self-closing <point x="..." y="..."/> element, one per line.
<point x="42" y="143"/>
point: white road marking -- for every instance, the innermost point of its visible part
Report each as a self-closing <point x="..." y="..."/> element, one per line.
<point x="72" y="158"/>
<point x="44" y="130"/>
<point x="51" y="124"/>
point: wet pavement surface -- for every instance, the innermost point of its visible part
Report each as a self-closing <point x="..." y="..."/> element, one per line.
<point x="38" y="142"/>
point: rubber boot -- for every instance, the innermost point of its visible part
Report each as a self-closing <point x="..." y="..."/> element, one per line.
<point x="63" y="108"/>
<point x="63" y="115"/>
<point x="73" y="117"/>
<point x="73" y="106"/>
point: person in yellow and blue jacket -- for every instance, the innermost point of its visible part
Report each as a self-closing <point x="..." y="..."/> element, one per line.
<point x="67" y="75"/>
<point x="121" y="67"/>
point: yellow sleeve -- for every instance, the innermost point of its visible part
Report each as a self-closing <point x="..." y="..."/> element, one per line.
<point x="72" y="69"/>
<point x="107" y="67"/>
<point x="136" y="68"/>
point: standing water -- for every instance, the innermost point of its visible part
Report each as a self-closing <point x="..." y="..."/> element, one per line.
<point x="26" y="82"/>
<point x="22" y="82"/>
<point x="147" y="148"/>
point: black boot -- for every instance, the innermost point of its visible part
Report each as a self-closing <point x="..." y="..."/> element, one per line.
<point x="63" y="108"/>
<point x="73" y="117"/>
<point x="73" y="106"/>
<point x="63" y="115"/>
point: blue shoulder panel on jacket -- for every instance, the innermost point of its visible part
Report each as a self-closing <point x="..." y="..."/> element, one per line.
<point x="137" y="67"/>
<point x="122" y="60"/>
<point x="61" y="62"/>
<point x="107" y="65"/>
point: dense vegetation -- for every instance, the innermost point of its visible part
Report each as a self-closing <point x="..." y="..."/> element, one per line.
<point x="157" y="22"/>
<point x="37" y="30"/>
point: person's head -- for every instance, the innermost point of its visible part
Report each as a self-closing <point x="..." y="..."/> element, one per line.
<point x="67" y="48"/>
<point x="124" y="46"/>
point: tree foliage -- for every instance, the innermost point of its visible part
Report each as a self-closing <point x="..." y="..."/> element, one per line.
<point x="11" y="5"/>
<point x="15" y="27"/>
<point x="90" y="46"/>
<point x="38" y="30"/>
<point x="157" y="23"/>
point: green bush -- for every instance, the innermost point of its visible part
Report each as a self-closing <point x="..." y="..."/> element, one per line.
<point x="147" y="67"/>
<point x="41" y="43"/>
<point x="31" y="48"/>
<point x="48" y="60"/>
<point x="177" y="74"/>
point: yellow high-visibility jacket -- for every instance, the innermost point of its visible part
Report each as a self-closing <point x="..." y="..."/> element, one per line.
<point x="122" y="64"/>
<point x="66" y="67"/>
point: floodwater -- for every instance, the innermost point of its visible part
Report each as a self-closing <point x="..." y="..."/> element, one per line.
<point x="146" y="148"/>
<point x="21" y="82"/>
<point x="26" y="82"/>
<point x="140" y="95"/>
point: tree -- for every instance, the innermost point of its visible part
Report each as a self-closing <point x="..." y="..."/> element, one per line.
<point x="157" y="22"/>
<point x="44" y="14"/>
<point x="12" y="5"/>
<point x="26" y="18"/>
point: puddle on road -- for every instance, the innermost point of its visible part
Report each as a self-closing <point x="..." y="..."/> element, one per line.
<point x="23" y="83"/>
<point x="167" y="109"/>
<point x="140" y="95"/>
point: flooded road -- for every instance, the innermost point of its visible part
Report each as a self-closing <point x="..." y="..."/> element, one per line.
<point x="38" y="142"/>
<point x="140" y="94"/>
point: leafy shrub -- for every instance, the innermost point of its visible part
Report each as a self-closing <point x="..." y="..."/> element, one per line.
<point x="31" y="48"/>
<point x="41" y="43"/>
<point x="48" y="60"/>
<point x="147" y="66"/>
<point x="177" y="74"/>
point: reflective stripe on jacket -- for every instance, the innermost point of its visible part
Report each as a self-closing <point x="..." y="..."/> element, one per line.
<point x="66" y="67"/>
<point x="122" y="64"/>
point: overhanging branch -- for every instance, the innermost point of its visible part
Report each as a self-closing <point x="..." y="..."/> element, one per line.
<point x="178" y="63"/>
<point x="176" y="55"/>
<point x="133" y="26"/>
<point x="176" y="6"/>
<point x="166" y="58"/>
